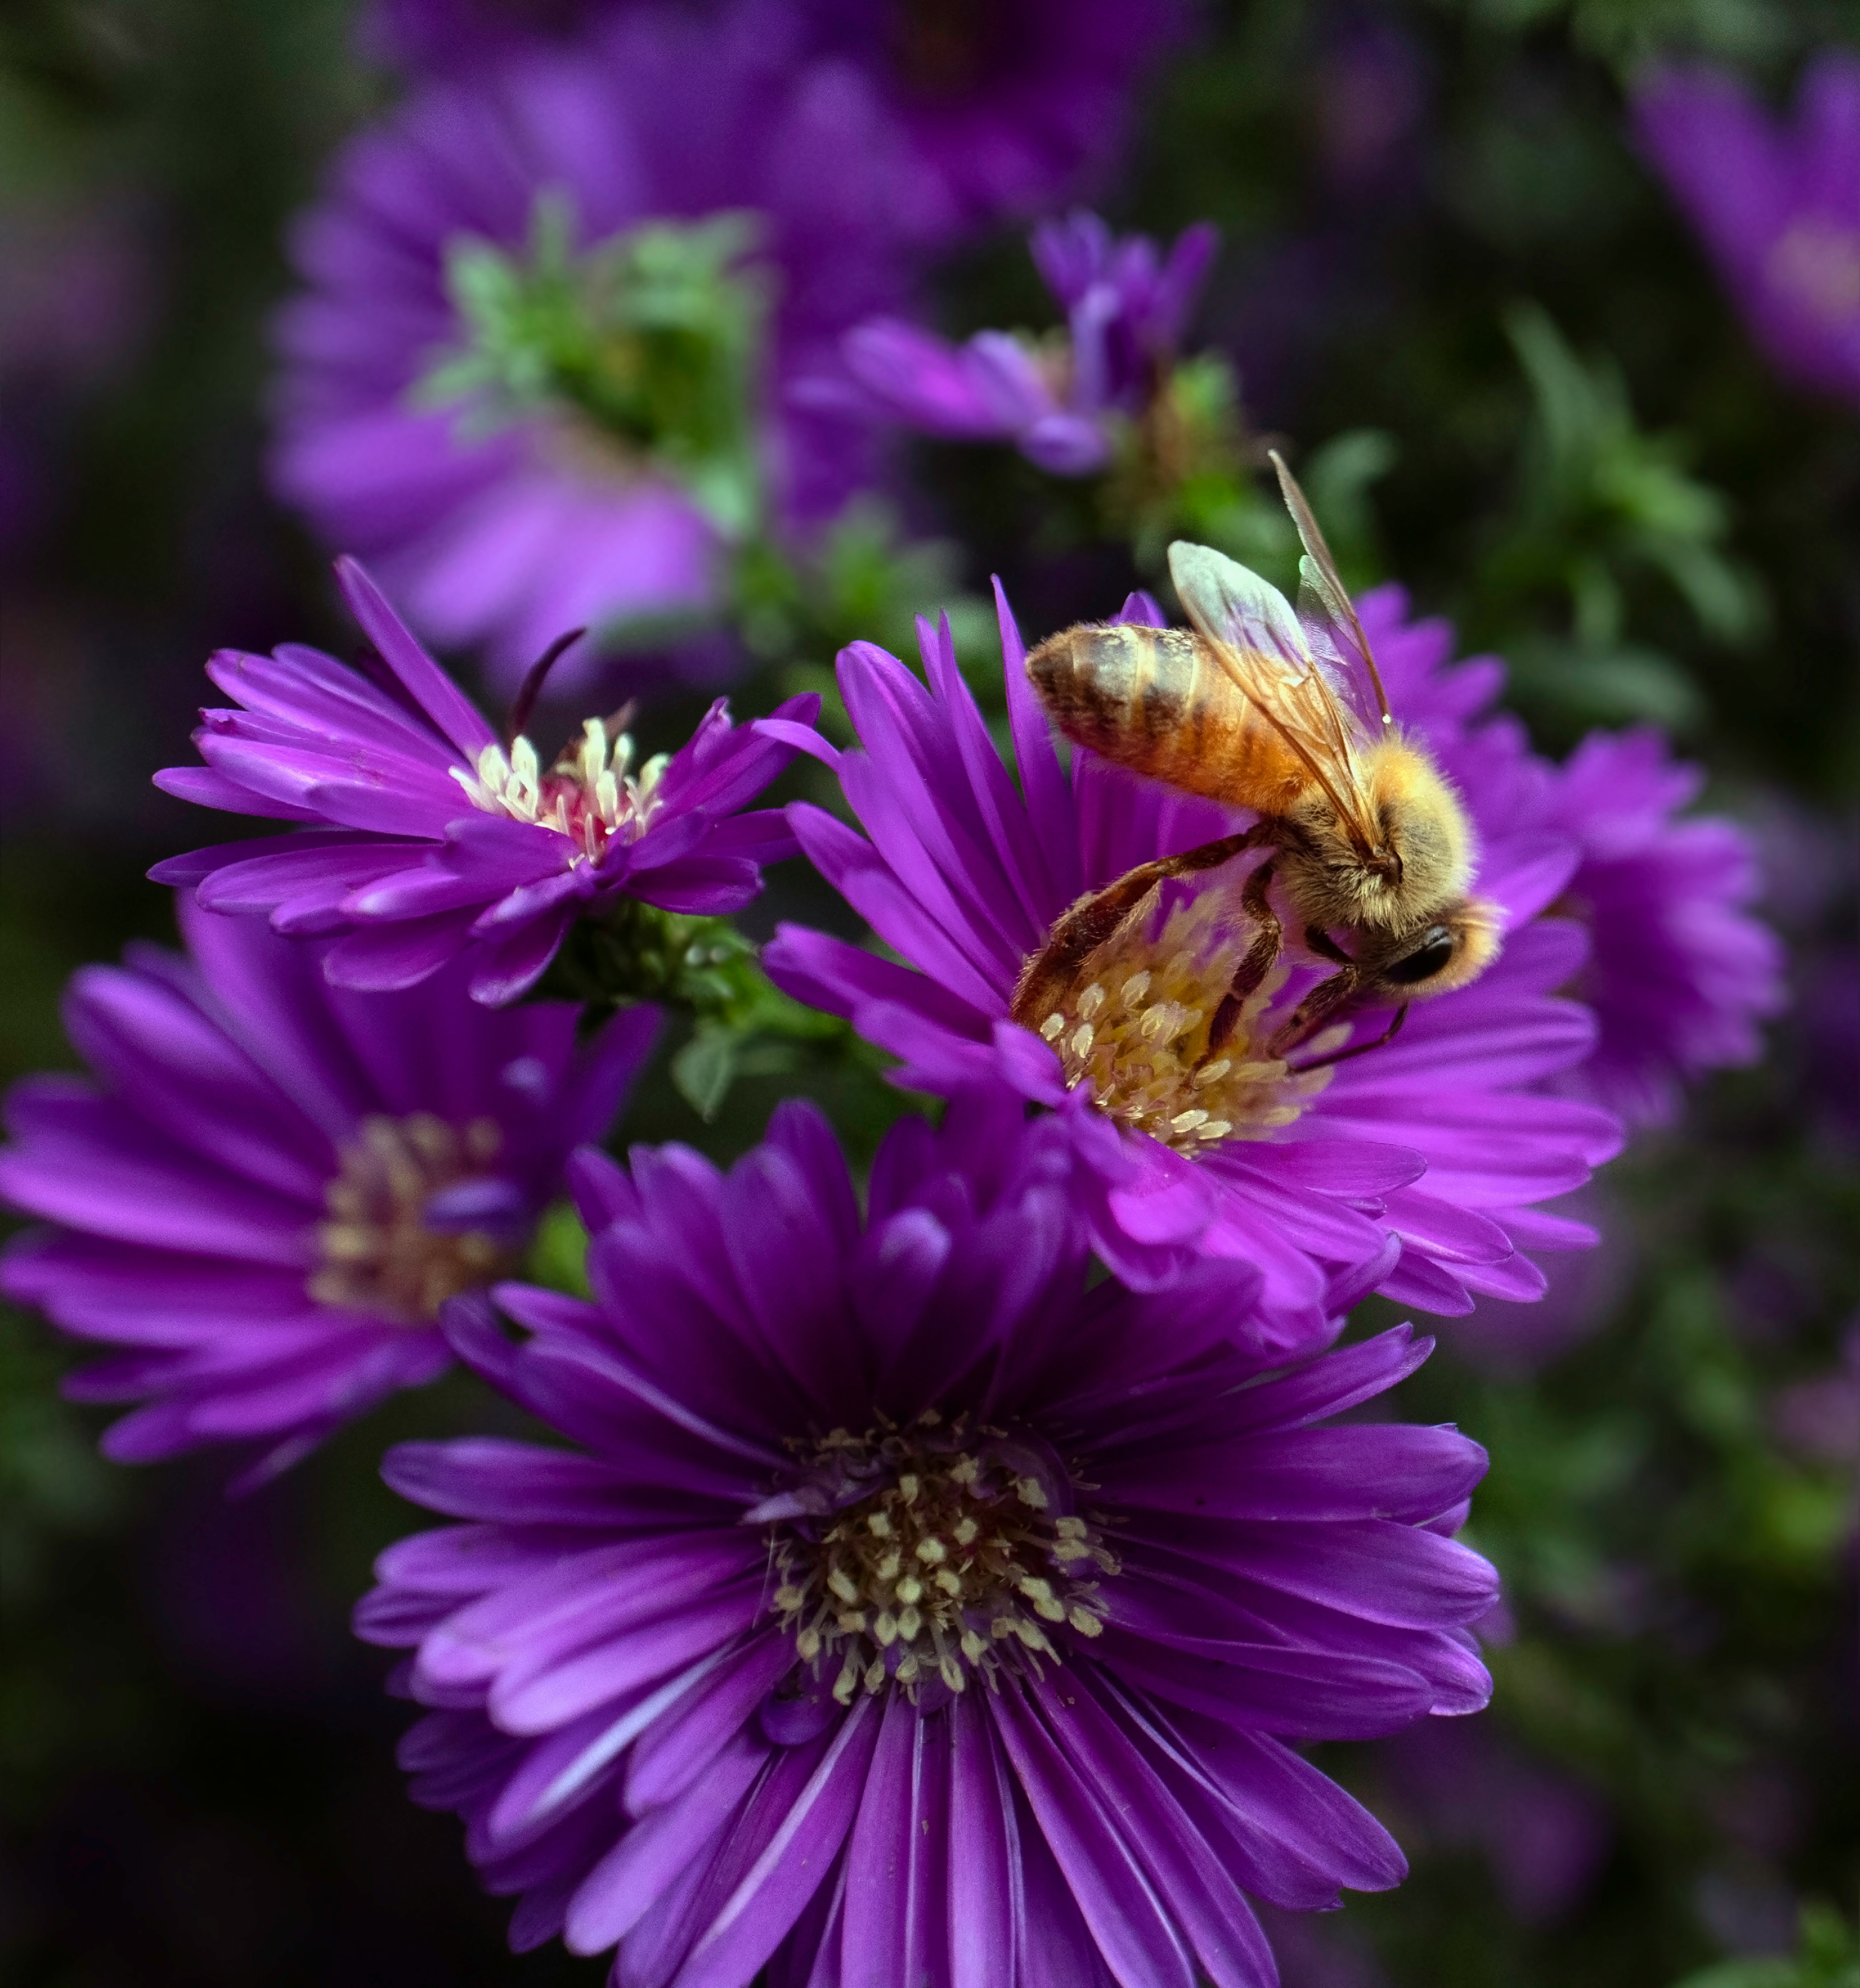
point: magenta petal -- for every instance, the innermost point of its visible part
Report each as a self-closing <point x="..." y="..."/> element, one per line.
<point x="426" y="682"/>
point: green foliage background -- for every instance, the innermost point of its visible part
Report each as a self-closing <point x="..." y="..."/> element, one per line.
<point x="1516" y="387"/>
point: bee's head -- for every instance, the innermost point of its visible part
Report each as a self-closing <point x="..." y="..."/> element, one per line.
<point x="1452" y="949"/>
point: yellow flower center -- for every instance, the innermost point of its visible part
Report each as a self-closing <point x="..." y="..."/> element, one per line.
<point x="1135" y="1023"/>
<point x="953" y="1563"/>
<point x="588" y="795"/>
<point x="376" y="1252"/>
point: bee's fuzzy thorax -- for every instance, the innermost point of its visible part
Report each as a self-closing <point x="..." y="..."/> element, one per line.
<point x="1423" y="821"/>
<point x="1424" y="834"/>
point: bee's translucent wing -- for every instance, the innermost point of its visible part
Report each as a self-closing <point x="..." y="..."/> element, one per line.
<point x="1328" y="616"/>
<point x="1264" y="648"/>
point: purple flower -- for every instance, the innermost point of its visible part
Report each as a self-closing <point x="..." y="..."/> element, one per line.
<point x="1545" y="1835"/>
<point x="537" y="377"/>
<point x="1413" y="1169"/>
<point x="1778" y="209"/>
<point x="271" y="1187"/>
<point x="1062" y="405"/>
<point x="422" y="837"/>
<point x="905" y="1612"/>
<point x="1679" y="972"/>
<point x="1002" y="111"/>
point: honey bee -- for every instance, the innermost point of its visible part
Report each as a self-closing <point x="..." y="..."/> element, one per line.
<point x="1251" y="706"/>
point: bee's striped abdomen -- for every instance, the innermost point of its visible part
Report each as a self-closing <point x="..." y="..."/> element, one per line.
<point x="1156" y="700"/>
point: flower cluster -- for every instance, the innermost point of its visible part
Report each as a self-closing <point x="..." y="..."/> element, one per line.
<point x="272" y="1187"/>
<point x="422" y="837"/>
<point x="912" y="1602"/>
<point x="904" y="1611"/>
<point x="1778" y="209"/>
<point x="1001" y="111"/>
<point x="930" y="1574"/>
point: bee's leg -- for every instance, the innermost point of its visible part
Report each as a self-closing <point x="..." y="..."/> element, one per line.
<point x="1258" y="962"/>
<point x="1359" y="1049"/>
<point x="1319" y="941"/>
<point x="1050" y="971"/>
<point x="1327" y="999"/>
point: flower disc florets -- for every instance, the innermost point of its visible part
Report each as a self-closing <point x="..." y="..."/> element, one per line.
<point x="1135" y="1025"/>
<point x="955" y="1561"/>
<point x="588" y="795"/>
<point x="380" y="1252"/>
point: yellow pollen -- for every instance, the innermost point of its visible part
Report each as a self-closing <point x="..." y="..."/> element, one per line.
<point x="375" y="1251"/>
<point x="1135" y="1025"/>
<point x="588" y="795"/>
<point x="949" y="1567"/>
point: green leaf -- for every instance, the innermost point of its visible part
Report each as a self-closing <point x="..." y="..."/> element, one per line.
<point x="558" y="1254"/>
<point x="1829" y="1957"/>
<point x="645" y="347"/>
<point x="706" y="1067"/>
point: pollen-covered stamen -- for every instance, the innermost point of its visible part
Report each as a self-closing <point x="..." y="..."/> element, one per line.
<point x="588" y="795"/>
<point x="377" y="1253"/>
<point x="953" y="1562"/>
<point x="1135" y="1023"/>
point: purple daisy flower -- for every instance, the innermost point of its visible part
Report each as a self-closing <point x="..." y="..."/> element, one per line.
<point x="1062" y="404"/>
<point x="1413" y="1170"/>
<point x="537" y="376"/>
<point x="423" y="837"/>
<point x="1778" y="209"/>
<point x="1679" y="973"/>
<point x="906" y="1612"/>
<point x="272" y="1187"/>
<point x="1002" y="110"/>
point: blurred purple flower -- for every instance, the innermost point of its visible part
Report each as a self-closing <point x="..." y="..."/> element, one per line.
<point x="516" y="453"/>
<point x="906" y="1612"/>
<point x="1509" y="1341"/>
<point x="1060" y="403"/>
<point x="1002" y="111"/>
<point x="1314" y="1951"/>
<point x="1318" y="1178"/>
<point x="75" y="302"/>
<point x="1545" y="1835"/>
<point x="1819" y="1418"/>
<point x="423" y="837"/>
<point x="1778" y="207"/>
<point x="1373" y="92"/>
<point x="1678" y="973"/>
<point x="271" y="1186"/>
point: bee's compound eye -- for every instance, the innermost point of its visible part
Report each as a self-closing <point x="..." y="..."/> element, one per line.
<point x="1434" y="955"/>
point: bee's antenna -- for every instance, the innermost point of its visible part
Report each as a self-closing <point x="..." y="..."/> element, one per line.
<point x="1325" y="581"/>
<point x="531" y="688"/>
